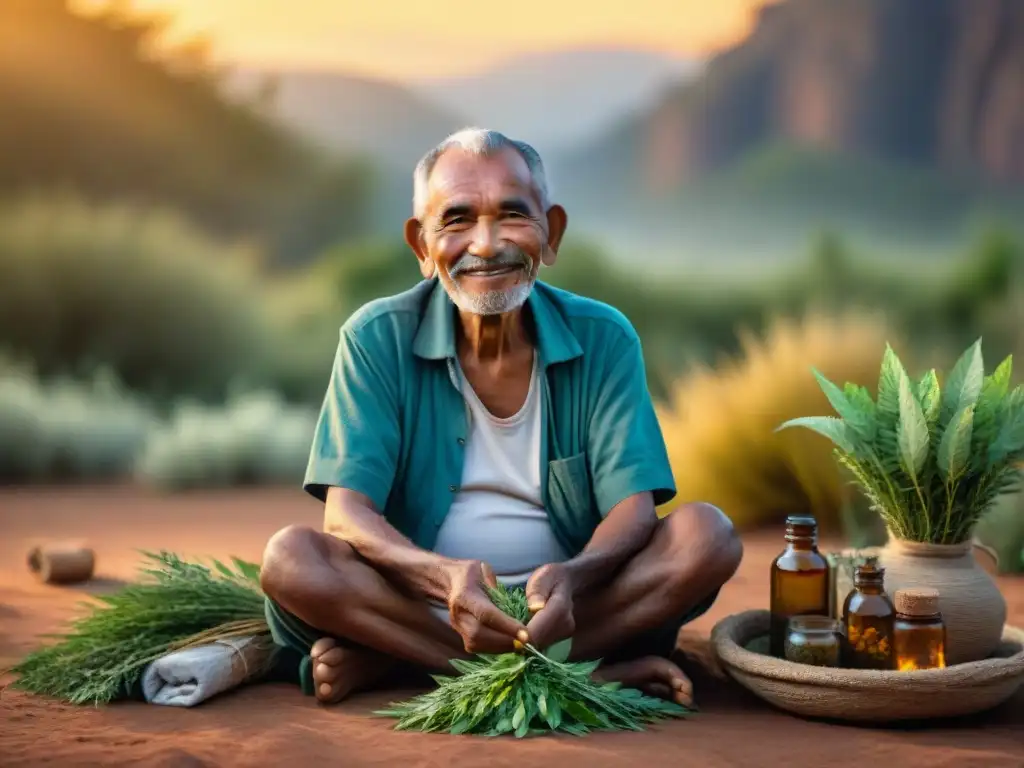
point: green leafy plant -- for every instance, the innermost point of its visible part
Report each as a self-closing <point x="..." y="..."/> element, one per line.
<point x="184" y="605"/>
<point x="931" y="461"/>
<point x="528" y="693"/>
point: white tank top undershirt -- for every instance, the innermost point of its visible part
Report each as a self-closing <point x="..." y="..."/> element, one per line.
<point x="498" y="514"/>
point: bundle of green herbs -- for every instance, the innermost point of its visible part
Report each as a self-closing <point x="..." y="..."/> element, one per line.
<point x="182" y="605"/>
<point x="930" y="460"/>
<point x="528" y="693"/>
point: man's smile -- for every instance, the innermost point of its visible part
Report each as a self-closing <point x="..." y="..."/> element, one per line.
<point x="495" y="271"/>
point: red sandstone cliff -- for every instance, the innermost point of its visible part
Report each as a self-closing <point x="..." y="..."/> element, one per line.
<point x="934" y="82"/>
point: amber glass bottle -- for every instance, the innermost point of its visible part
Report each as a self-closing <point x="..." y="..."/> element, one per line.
<point x="919" y="634"/>
<point x="799" y="580"/>
<point x="868" y="616"/>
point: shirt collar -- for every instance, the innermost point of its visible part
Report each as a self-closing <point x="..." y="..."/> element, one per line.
<point x="556" y="343"/>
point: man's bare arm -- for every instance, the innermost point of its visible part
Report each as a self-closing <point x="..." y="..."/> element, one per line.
<point x="626" y="530"/>
<point x="552" y="589"/>
<point x="351" y="517"/>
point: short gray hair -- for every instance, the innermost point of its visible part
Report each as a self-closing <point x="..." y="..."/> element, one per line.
<point x="483" y="142"/>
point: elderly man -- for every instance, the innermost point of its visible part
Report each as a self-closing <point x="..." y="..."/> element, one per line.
<point x="484" y="427"/>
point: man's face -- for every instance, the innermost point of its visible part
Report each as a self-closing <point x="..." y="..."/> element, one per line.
<point x="484" y="231"/>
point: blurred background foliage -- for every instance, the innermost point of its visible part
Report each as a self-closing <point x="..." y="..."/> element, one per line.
<point x="175" y="265"/>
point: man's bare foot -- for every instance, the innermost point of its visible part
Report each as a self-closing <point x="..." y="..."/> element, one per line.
<point x="653" y="675"/>
<point x="339" y="672"/>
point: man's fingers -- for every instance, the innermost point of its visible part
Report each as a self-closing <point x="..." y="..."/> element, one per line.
<point x="478" y="638"/>
<point x="540" y="629"/>
<point x="489" y="578"/>
<point x="538" y="591"/>
<point x="489" y="615"/>
<point x="553" y="623"/>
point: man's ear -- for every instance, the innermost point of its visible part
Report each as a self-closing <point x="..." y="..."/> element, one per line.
<point x="558" y="220"/>
<point x="414" y="239"/>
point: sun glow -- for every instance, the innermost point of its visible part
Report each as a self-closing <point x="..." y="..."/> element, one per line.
<point x="411" y="38"/>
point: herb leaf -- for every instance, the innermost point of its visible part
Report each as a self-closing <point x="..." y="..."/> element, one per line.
<point x="528" y="694"/>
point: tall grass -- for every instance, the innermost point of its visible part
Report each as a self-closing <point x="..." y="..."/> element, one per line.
<point x="719" y="423"/>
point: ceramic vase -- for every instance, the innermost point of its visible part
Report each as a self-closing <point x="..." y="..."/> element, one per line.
<point x="972" y="606"/>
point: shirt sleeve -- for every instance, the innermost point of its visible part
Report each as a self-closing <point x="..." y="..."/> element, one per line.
<point x="357" y="439"/>
<point x="626" y="447"/>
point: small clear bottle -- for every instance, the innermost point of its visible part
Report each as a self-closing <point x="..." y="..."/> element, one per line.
<point x="814" y="640"/>
<point x="868" y="617"/>
<point x="800" y="583"/>
<point x="919" y="634"/>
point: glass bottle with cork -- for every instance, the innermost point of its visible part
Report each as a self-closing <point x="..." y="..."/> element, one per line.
<point x="868" y="618"/>
<point x="800" y="581"/>
<point x="919" y="633"/>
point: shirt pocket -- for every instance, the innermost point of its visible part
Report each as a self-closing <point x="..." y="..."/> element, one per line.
<point x="570" y="495"/>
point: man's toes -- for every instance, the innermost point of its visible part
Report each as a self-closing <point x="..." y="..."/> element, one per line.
<point x="671" y="674"/>
<point x="321" y="646"/>
<point x="683" y="685"/>
<point x="333" y="656"/>
<point x="669" y="678"/>
<point x="325" y="693"/>
<point x="682" y="698"/>
<point x="657" y="690"/>
<point x="326" y="673"/>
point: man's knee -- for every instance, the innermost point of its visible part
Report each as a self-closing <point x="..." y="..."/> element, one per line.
<point x="291" y="559"/>
<point x="709" y="540"/>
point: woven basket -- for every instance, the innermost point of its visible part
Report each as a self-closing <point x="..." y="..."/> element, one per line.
<point x="866" y="695"/>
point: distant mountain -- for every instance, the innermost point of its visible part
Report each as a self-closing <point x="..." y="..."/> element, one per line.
<point x="560" y="98"/>
<point x="820" y="115"/>
<point x="553" y="100"/>
<point x="880" y="78"/>
<point x="384" y="121"/>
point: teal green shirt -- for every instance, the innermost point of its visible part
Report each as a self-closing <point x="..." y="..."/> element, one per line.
<point x="393" y="424"/>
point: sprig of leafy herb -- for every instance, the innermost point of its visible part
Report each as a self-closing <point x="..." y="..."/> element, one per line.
<point x="183" y="604"/>
<point x="533" y="693"/>
<point x="930" y="461"/>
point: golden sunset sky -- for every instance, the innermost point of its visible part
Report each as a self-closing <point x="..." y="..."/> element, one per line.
<point x="424" y="38"/>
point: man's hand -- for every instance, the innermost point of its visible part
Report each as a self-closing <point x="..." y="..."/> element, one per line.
<point x="483" y="626"/>
<point x="549" y="595"/>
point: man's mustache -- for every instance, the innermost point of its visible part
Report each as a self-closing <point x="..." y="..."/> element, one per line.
<point x="507" y="257"/>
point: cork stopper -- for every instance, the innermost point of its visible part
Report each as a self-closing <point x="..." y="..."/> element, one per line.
<point x="869" y="573"/>
<point x="917" y="602"/>
<point x="801" y="527"/>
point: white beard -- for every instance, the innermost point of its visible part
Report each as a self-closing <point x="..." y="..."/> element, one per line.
<point x="490" y="302"/>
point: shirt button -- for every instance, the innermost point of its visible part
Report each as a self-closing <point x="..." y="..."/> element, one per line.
<point x="452" y="488"/>
<point x="461" y="441"/>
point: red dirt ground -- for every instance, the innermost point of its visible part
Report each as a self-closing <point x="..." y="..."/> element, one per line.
<point x="273" y="724"/>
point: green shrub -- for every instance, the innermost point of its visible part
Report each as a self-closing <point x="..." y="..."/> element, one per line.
<point x="67" y="430"/>
<point x="689" y="318"/>
<point x="139" y="291"/>
<point x="156" y="122"/>
<point x="254" y="439"/>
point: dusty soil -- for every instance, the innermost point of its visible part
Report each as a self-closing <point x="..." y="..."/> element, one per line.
<point x="273" y="724"/>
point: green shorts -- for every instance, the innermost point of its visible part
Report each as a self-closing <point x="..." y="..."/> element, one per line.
<point x="296" y="639"/>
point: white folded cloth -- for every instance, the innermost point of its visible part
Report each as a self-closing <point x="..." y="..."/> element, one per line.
<point x="189" y="677"/>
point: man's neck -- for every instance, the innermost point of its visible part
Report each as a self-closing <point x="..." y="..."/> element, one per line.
<point x="492" y="338"/>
